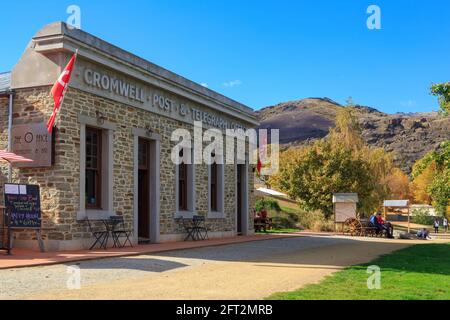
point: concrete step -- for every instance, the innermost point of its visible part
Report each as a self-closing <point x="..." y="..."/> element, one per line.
<point x="398" y="234"/>
<point x="440" y="236"/>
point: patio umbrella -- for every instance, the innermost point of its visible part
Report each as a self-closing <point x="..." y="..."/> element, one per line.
<point x="12" y="158"/>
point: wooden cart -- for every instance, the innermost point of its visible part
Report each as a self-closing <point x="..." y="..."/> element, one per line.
<point x="361" y="228"/>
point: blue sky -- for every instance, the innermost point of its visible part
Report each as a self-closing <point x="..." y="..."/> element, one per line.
<point x="265" y="52"/>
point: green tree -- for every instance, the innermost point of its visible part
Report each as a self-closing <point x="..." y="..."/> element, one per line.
<point x="342" y="162"/>
<point x="325" y="169"/>
<point x="442" y="91"/>
<point x="440" y="192"/>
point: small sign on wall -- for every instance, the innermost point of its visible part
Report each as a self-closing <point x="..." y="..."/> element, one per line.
<point x="33" y="141"/>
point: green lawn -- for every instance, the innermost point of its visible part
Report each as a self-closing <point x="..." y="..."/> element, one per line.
<point x="420" y="272"/>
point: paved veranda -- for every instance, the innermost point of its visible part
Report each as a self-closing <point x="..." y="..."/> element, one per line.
<point x="22" y="258"/>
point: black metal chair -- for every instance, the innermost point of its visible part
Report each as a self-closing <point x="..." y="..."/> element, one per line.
<point x="118" y="230"/>
<point x="101" y="236"/>
<point x="200" y="229"/>
<point x="188" y="227"/>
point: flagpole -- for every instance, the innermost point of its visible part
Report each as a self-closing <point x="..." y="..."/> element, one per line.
<point x="65" y="90"/>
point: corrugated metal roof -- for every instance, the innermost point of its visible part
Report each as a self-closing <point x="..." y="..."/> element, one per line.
<point x="5" y="81"/>
<point x="345" y="197"/>
<point x="396" y="203"/>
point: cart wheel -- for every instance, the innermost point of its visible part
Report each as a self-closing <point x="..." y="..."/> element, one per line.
<point x="352" y="227"/>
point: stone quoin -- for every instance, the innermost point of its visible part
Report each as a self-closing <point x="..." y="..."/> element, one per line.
<point x="112" y="146"/>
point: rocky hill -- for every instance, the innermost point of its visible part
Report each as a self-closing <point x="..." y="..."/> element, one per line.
<point x="408" y="136"/>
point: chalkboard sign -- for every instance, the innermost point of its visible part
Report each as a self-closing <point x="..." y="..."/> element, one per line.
<point x="23" y="203"/>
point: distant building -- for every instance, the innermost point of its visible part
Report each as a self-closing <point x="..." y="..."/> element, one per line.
<point x="430" y="209"/>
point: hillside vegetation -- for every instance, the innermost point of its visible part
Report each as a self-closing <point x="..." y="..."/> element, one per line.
<point x="408" y="136"/>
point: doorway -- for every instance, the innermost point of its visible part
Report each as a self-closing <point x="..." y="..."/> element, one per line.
<point x="144" y="191"/>
<point x="241" y="212"/>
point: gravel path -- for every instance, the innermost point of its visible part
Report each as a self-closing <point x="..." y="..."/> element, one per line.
<point x="225" y="272"/>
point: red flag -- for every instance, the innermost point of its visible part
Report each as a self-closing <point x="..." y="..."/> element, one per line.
<point x="262" y="154"/>
<point x="259" y="166"/>
<point x="58" y="91"/>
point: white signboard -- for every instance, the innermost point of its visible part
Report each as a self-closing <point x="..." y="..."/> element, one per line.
<point x="344" y="211"/>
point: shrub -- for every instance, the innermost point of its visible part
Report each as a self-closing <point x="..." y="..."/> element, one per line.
<point x="315" y="221"/>
<point x="283" y="221"/>
<point x="290" y="218"/>
<point x="267" y="203"/>
<point x="422" y="216"/>
<point x="323" y="226"/>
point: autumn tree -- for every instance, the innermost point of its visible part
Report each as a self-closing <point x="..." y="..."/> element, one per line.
<point x="421" y="182"/>
<point x="342" y="162"/>
<point x="399" y="185"/>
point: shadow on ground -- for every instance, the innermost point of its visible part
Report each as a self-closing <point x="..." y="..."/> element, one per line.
<point x="300" y="252"/>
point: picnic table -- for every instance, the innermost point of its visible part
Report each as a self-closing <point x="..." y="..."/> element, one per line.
<point x="262" y="222"/>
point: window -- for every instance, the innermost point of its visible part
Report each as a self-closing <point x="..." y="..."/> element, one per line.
<point x="214" y="185"/>
<point x="93" y="175"/>
<point x="185" y="185"/>
<point x="182" y="185"/>
<point x="216" y="188"/>
<point x="96" y="168"/>
<point x="143" y="154"/>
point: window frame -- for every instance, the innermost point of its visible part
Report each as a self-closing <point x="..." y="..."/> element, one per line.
<point x="98" y="170"/>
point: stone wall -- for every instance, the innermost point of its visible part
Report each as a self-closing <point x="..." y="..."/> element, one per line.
<point x="4" y="103"/>
<point x="60" y="183"/>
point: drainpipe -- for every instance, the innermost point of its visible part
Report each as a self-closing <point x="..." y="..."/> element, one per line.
<point x="10" y="121"/>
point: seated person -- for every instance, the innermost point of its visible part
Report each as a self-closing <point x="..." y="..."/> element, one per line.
<point x="374" y="221"/>
<point x="423" y="234"/>
<point x="384" y="226"/>
<point x="264" y="214"/>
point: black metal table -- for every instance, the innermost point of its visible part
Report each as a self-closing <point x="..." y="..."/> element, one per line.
<point x="195" y="228"/>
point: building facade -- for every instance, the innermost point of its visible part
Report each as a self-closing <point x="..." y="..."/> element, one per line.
<point x="111" y="153"/>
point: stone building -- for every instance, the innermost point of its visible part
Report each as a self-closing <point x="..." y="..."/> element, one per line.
<point x="111" y="150"/>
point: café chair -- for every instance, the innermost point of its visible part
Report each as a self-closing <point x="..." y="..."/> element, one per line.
<point x="118" y="229"/>
<point x="101" y="236"/>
